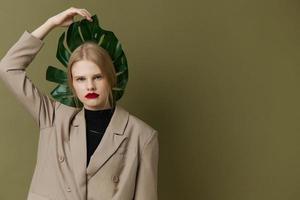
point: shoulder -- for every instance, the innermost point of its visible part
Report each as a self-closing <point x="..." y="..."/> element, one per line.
<point x="59" y="107"/>
<point x="140" y="130"/>
<point x="140" y="123"/>
<point x="64" y="113"/>
<point x="132" y="120"/>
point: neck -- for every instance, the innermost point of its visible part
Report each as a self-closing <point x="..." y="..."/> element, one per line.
<point x="96" y="109"/>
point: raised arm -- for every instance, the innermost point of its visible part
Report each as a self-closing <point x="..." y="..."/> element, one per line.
<point x="62" y="19"/>
<point x="13" y="67"/>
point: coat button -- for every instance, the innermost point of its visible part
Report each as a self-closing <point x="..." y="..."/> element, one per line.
<point x="68" y="189"/>
<point x="61" y="158"/>
<point x="115" y="179"/>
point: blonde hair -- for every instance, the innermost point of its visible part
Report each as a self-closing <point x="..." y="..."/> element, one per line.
<point x="93" y="52"/>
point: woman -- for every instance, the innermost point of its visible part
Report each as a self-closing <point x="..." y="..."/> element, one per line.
<point x="72" y="163"/>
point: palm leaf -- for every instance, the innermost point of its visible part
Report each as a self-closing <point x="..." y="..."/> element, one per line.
<point x="63" y="94"/>
<point x="78" y="33"/>
<point x="56" y="75"/>
<point x="62" y="53"/>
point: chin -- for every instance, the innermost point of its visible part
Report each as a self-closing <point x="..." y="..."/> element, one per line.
<point x="94" y="105"/>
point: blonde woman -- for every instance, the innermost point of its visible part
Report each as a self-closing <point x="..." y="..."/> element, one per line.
<point x="99" y="152"/>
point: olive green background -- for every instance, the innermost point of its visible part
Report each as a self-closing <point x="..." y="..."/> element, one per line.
<point x="218" y="79"/>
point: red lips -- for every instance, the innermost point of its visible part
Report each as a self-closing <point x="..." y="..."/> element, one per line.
<point x="91" y="95"/>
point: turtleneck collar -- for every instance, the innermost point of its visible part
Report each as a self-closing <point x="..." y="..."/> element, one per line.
<point x="98" y="114"/>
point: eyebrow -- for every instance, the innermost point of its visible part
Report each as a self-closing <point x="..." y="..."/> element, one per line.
<point x="99" y="74"/>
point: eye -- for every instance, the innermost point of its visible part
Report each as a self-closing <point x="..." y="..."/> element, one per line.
<point x="80" y="79"/>
<point x="98" y="77"/>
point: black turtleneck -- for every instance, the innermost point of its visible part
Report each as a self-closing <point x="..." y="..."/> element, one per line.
<point x="96" y="124"/>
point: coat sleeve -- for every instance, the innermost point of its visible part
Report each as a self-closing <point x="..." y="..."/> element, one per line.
<point x="146" y="184"/>
<point x="13" y="74"/>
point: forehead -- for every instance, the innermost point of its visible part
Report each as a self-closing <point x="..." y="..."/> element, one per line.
<point x="85" y="68"/>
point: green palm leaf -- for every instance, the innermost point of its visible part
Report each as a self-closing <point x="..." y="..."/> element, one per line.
<point x="63" y="94"/>
<point x="62" y="54"/>
<point x="78" y="33"/>
<point x="56" y="75"/>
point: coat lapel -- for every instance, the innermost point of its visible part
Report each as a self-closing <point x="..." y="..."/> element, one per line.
<point x="112" y="138"/>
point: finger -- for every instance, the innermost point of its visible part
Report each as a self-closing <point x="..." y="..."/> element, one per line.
<point x="82" y="13"/>
<point x="79" y="12"/>
<point x="87" y="14"/>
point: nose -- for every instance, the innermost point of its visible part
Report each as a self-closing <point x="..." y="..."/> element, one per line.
<point x="90" y="85"/>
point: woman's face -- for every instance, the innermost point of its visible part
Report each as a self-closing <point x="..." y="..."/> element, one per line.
<point x="90" y="85"/>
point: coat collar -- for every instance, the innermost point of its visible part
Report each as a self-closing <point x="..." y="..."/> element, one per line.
<point x="112" y="138"/>
<point x="119" y="119"/>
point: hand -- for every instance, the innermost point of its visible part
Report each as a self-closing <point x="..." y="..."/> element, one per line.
<point x="66" y="17"/>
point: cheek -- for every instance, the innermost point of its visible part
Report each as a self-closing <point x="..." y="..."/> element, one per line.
<point x="106" y="86"/>
<point x="77" y="89"/>
<point x="105" y="89"/>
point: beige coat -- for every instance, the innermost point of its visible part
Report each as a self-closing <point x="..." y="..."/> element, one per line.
<point x="123" y="167"/>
